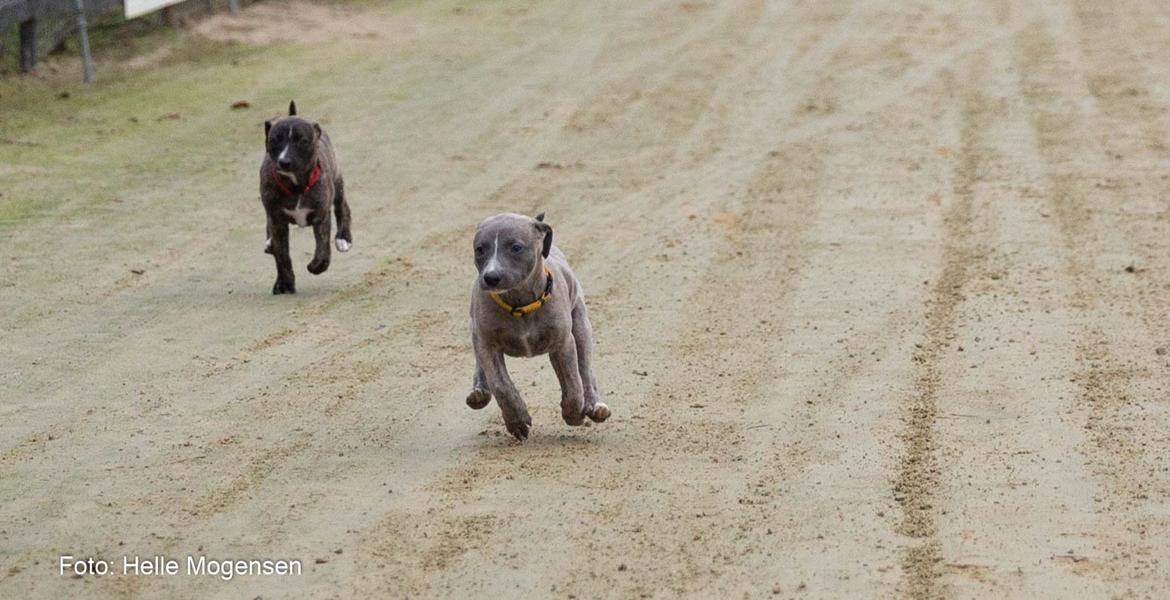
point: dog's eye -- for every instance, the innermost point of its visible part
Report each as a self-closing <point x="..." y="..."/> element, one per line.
<point x="517" y="247"/>
<point x="479" y="250"/>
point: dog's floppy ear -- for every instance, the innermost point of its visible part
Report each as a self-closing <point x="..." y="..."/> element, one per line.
<point x="317" y="128"/>
<point x="546" y="229"/>
<point x="292" y="108"/>
<point x="267" y="127"/>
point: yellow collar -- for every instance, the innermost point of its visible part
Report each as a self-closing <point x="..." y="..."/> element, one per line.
<point x="531" y="307"/>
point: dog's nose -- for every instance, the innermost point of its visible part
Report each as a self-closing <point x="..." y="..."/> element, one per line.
<point x="491" y="279"/>
<point x="284" y="164"/>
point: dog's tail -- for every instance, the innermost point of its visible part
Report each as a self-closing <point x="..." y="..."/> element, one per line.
<point x="292" y="108"/>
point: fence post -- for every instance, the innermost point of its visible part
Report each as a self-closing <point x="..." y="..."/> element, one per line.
<point x="86" y="57"/>
<point x="28" y="45"/>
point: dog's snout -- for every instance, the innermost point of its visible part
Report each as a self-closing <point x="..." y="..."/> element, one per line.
<point x="284" y="164"/>
<point x="491" y="278"/>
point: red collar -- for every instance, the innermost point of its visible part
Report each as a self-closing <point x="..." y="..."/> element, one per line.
<point x="314" y="177"/>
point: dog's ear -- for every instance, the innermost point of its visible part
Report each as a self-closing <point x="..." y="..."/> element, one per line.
<point x="267" y="127"/>
<point x="317" y="128"/>
<point x="546" y="229"/>
<point x="292" y="108"/>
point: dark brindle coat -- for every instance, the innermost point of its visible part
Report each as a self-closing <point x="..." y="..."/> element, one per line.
<point x="301" y="183"/>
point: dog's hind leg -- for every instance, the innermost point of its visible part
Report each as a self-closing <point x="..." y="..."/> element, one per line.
<point x="595" y="409"/>
<point x="480" y="395"/>
<point x="341" y="212"/>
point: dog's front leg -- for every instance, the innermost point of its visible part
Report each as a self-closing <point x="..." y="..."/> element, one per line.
<point x="480" y="394"/>
<point x="495" y="373"/>
<point x="595" y="409"/>
<point x="341" y="210"/>
<point x="564" y="362"/>
<point x="285" y="280"/>
<point x="321" y="255"/>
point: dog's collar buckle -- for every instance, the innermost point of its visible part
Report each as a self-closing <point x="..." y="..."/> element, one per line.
<point x="531" y="307"/>
<point x="314" y="177"/>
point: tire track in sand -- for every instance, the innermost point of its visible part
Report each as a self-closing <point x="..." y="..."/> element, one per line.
<point x="1114" y="379"/>
<point x="920" y="470"/>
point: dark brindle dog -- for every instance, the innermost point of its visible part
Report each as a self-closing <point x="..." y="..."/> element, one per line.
<point x="300" y="183"/>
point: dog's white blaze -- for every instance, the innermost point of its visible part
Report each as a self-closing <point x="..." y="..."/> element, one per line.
<point x="342" y="245"/>
<point x="493" y="262"/>
<point x="282" y="156"/>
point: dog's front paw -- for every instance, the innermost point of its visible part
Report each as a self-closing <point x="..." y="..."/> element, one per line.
<point x="519" y="429"/>
<point x="268" y="246"/>
<point x="573" y="417"/>
<point x="318" y="265"/>
<point x="343" y="243"/>
<point x="478" y="398"/>
<point x="599" y="413"/>
<point x="283" y="287"/>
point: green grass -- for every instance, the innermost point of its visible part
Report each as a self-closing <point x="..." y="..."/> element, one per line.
<point x="141" y="139"/>
<point x="16" y="210"/>
<point x="170" y="126"/>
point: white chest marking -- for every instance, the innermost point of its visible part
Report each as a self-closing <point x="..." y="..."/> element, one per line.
<point x="301" y="215"/>
<point x="523" y="337"/>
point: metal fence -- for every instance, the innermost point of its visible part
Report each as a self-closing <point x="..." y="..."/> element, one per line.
<point x="30" y="29"/>
<point x="19" y="11"/>
<point x="43" y="24"/>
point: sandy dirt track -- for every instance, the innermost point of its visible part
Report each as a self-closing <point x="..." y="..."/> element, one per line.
<point x="880" y="295"/>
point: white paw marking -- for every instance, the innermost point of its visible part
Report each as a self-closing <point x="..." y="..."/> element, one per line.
<point x="268" y="244"/>
<point x="343" y="246"/>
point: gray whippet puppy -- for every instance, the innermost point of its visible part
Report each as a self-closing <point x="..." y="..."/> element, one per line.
<point x="526" y="301"/>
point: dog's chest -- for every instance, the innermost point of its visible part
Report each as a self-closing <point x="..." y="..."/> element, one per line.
<point x="299" y="215"/>
<point x="524" y="340"/>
